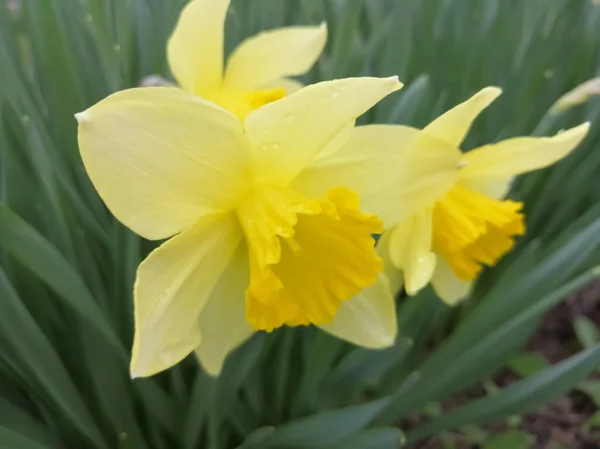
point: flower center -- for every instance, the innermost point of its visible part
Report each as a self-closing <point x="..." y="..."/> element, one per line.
<point x="241" y="104"/>
<point x="470" y="229"/>
<point x="306" y="255"/>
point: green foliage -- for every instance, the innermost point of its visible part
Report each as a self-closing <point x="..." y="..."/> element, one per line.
<point x="67" y="266"/>
<point x="586" y="331"/>
<point x="527" y="364"/>
<point x="510" y="440"/>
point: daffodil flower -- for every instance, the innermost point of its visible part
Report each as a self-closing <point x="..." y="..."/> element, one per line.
<point x="271" y="219"/>
<point x="258" y="69"/>
<point x="468" y="225"/>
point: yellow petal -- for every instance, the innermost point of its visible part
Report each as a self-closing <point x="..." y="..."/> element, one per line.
<point x="410" y="250"/>
<point x="522" y="154"/>
<point x="368" y="319"/>
<point x="272" y="55"/>
<point x="223" y="324"/>
<point x="396" y="170"/>
<point x="287" y="135"/>
<point x="447" y="286"/>
<point x="160" y="158"/>
<point x="496" y="188"/>
<point x="241" y="104"/>
<point x="195" y="49"/>
<point x="338" y="142"/>
<point x="289" y="85"/>
<point x="171" y="288"/>
<point x="454" y="125"/>
<point x="394" y="275"/>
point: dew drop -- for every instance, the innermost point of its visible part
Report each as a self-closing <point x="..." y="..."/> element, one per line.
<point x="275" y="146"/>
<point x="335" y="95"/>
<point x="289" y="118"/>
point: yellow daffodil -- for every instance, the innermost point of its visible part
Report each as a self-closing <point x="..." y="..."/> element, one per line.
<point x="469" y="224"/>
<point x="257" y="70"/>
<point x="271" y="219"/>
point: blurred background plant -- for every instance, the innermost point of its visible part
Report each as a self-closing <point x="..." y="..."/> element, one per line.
<point x="67" y="267"/>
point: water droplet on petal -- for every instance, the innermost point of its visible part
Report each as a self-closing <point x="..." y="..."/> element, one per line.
<point x="335" y="95"/>
<point x="289" y="118"/>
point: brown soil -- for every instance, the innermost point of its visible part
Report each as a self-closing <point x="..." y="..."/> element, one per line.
<point x="560" y="423"/>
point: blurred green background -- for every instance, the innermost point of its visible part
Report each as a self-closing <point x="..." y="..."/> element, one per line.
<point x="67" y="266"/>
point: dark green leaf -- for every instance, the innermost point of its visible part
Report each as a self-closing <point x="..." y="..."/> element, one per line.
<point x="513" y="439"/>
<point x="31" y="249"/>
<point x="527" y="363"/>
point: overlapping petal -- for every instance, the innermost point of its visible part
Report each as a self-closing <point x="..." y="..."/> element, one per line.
<point x="160" y="158"/>
<point x="454" y="125"/>
<point x="410" y="250"/>
<point x="396" y="170"/>
<point x="173" y="284"/>
<point x="289" y="85"/>
<point x="368" y="319"/>
<point x="447" y="286"/>
<point x="287" y="135"/>
<point x="395" y="276"/>
<point x="195" y="49"/>
<point x="222" y="323"/>
<point x="496" y="188"/>
<point x="271" y="55"/>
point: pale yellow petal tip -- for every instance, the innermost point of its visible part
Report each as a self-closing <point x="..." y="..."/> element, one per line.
<point x="490" y="92"/>
<point x="452" y="301"/>
<point x="82" y="117"/>
<point x="412" y="291"/>
<point x="575" y="134"/>
<point x="212" y="371"/>
<point x="584" y="127"/>
<point x="386" y="340"/>
<point x="395" y="81"/>
<point x="134" y="372"/>
<point x="377" y="338"/>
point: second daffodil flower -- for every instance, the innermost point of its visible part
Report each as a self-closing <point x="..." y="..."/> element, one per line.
<point x="252" y="246"/>
<point x="257" y="70"/>
<point x="468" y="225"/>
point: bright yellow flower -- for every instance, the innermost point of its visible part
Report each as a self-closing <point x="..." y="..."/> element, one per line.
<point x="271" y="218"/>
<point x="468" y="225"/>
<point x="257" y="70"/>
